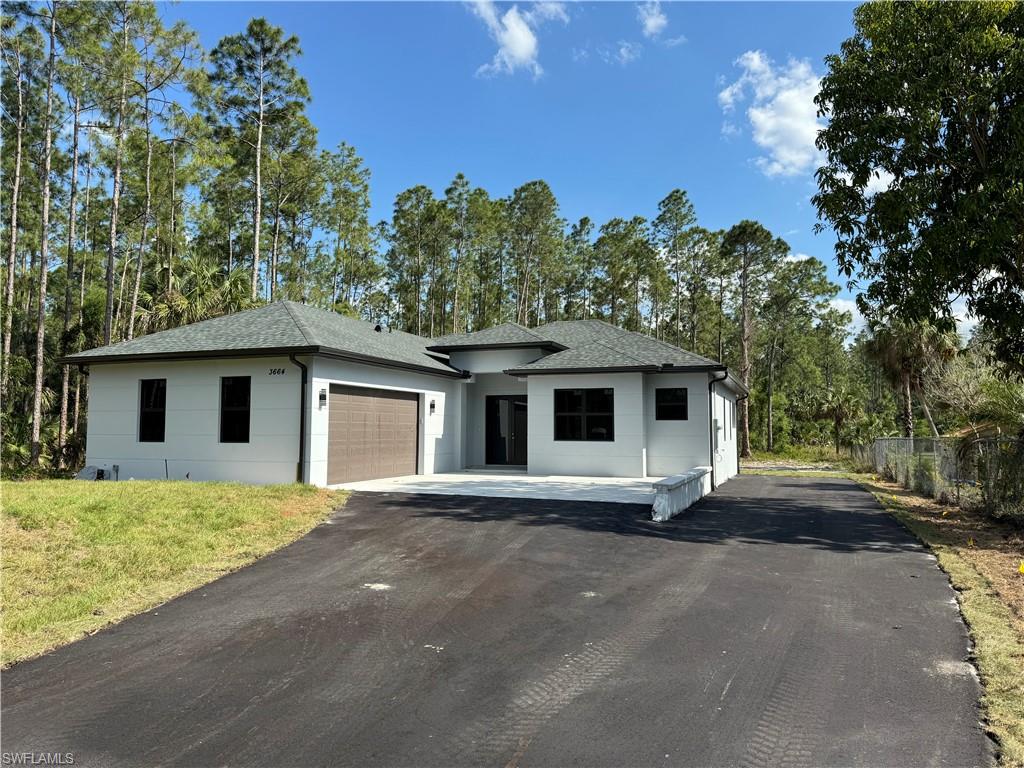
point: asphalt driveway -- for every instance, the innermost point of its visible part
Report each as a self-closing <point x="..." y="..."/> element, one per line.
<point x="778" y="622"/>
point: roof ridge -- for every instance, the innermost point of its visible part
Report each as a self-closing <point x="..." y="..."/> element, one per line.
<point x="616" y="351"/>
<point x="522" y="327"/>
<point x="303" y="328"/>
<point x="663" y="343"/>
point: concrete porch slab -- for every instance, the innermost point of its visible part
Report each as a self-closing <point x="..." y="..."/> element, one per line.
<point x="624" y="490"/>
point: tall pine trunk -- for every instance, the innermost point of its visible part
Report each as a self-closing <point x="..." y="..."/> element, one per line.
<point x="274" y="249"/>
<point x="146" y="212"/>
<point x="257" y="211"/>
<point x="746" y="332"/>
<point x="907" y="414"/>
<point x="770" y="392"/>
<point x="44" y="243"/>
<point x="12" y="249"/>
<point x="81" y="292"/>
<point x="115" y="197"/>
<point x="69" y="268"/>
<point x="174" y="215"/>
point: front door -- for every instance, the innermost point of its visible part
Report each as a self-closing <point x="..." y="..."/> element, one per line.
<point x="506" y="429"/>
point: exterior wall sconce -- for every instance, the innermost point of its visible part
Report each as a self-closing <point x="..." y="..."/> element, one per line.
<point x="323" y="398"/>
<point x="433" y="407"/>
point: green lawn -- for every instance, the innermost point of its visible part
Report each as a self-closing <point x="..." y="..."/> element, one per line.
<point x="79" y="555"/>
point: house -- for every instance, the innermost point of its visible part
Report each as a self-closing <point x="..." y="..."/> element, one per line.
<point x="288" y="392"/>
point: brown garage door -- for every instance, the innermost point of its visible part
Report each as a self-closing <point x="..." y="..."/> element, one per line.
<point x="372" y="433"/>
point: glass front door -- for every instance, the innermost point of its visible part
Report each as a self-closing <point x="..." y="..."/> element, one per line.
<point x="506" y="429"/>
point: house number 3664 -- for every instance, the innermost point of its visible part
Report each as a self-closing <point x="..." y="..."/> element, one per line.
<point x="276" y="372"/>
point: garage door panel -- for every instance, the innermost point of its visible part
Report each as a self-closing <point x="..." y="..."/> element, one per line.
<point x="371" y="434"/>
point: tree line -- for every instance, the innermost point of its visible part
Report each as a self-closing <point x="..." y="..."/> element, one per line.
<point x="148" y="183"/>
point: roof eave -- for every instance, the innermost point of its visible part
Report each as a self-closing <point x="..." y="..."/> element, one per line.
<point x="501" y="345"/>
<point x="618" y="369"/>
<point x="198" y="354"/>
<point x="338" y="354"/>
<point x="595" y="369"/>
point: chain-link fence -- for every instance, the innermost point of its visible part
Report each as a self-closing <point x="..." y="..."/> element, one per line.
<point x="985" y="473"/>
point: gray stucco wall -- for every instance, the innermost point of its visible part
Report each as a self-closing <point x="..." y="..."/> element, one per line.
<point x="622" y="457"/>
<point x="677" y="446"/>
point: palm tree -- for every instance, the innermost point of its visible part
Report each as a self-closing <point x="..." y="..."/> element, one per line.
<point x="201" y="291"/>
<point x="903" y="350"/>
<point x="840" y="405"/>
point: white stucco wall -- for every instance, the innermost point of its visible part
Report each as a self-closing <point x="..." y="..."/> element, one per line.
<point x="476" y="418"/>
<point x="677" y="446"/>
<point x="440" y="448"/>
<point x="622" y="457"/>
<point x="726" y="456"/>
<point x="192" y="428"/>
<point x="493" y="360"/>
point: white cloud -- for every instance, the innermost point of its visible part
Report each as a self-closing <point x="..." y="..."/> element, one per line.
<point x="794" y="257"/>
<point x="515" y="32"/>
<point x="849" y="305"/>
<point x="672" y="42"/>
<point x="625" y="52"/>
<point x="781" y="111"/>
<point x="965" y="321"/>
<point x="652" y="19"/>
<point x="879" y="181"/>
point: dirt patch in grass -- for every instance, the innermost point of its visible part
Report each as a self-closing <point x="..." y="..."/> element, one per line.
<point x="78" y="556"/>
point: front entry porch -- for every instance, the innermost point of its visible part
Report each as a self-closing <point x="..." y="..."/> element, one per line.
<point x="516" y="485"/>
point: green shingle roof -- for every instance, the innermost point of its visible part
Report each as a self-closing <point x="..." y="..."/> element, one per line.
<point x="281" y="327"/>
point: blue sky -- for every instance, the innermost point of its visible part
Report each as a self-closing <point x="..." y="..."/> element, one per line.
<point x="613" y="104"/>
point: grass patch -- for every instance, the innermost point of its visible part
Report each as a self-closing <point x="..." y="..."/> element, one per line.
<point x="841" y="473"/>
<point x="78" y="556"/>
<point x="983" y="559"/>
<point x="801" y="456"/>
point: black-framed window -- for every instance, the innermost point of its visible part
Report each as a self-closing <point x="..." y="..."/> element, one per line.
<point x="152" y="410"/>
<point x="585" y="414"/>
<point x="234" y="409"/>
<point x="670" y="404"/>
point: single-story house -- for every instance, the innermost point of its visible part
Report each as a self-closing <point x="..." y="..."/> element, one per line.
<point x="288" y="392"/>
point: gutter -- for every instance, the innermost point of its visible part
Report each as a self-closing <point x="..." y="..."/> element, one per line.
<point x="711" y="421"/>
<point x="302" y="416"/>
<point x="263" y="352"/>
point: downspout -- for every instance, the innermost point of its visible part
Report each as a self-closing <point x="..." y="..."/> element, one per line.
<point x="302" y="416"/>
<point x="711" y="423"/>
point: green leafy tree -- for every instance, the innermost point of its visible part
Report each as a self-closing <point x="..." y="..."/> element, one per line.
<point x="924" y="160"/>
<point x="797" y="292"/>
<point x="754" y="253"/>
<point x="255" y="84"/>
<point x="673" y="231"/>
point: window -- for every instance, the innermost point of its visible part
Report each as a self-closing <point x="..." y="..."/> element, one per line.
<point x="234" y="409"/>
<point x="585" y="414"/>
<point x="670" y="404"/>
<point x="152" y="410"/>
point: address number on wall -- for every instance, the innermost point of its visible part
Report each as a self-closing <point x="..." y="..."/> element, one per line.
<point x="276" y="372"/>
